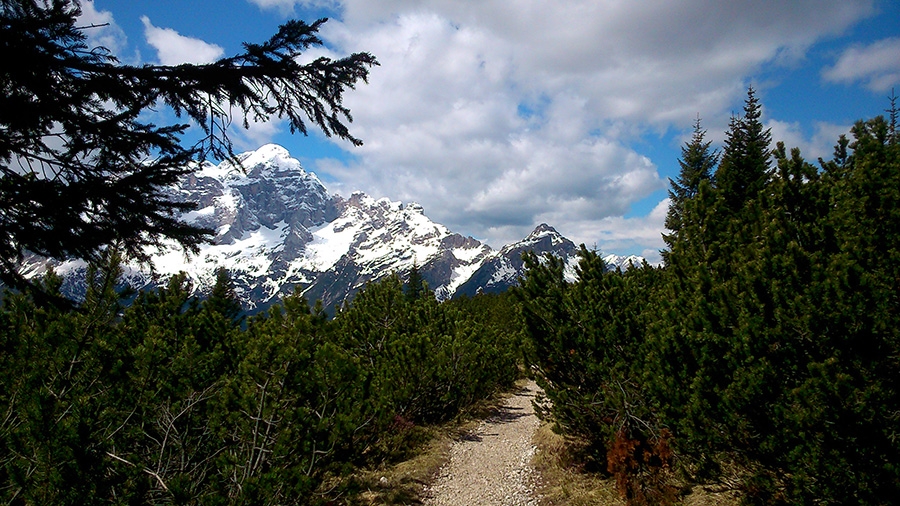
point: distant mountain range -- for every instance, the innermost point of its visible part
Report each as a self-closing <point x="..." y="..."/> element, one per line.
<point x="278" y="229"/>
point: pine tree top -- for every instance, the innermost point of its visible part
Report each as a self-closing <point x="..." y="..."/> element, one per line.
<point x="697" y="163"/>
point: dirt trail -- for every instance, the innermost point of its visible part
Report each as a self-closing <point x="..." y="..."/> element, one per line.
<point x="491" y="465"/>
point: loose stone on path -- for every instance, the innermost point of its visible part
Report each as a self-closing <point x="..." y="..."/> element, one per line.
<point x="492" y="465"/>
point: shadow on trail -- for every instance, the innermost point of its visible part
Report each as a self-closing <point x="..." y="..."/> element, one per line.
<point x="499" y="415"/>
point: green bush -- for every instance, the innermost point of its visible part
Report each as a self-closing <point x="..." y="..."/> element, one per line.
<point x="768" y="340"/>
<point x="173" y="399"/>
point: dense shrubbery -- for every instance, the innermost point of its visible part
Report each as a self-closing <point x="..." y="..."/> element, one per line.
<point x="173" y="400"/>
<point x="768" y="341"/>
<point x="765" y="348"/>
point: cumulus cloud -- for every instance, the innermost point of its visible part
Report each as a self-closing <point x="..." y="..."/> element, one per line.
<point x="500" y="115"/>
<point x="257" y="132"/>
<point x="641" y="235"/>
<point x="658" y="62"/>
<point x="877" y="65"/>
<point x="819" y="145"/>
<point x="282" y="5"/>
<point x="172" y="48"/>
<point x="443" y="125"/>
<point x="101" y="29"/>
<point x="287" y="7"/>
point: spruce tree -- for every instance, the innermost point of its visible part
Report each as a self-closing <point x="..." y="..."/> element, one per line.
<point x="222" y="298"/>
<point x="746" y="158"/>
<point x="697" y="164"/>
<point x="893" y="112"/>
<point x="415" y="287"/>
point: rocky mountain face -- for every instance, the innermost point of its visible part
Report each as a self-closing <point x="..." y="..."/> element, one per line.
<point x="502" y="269"/>
<point x="277" y="229"/>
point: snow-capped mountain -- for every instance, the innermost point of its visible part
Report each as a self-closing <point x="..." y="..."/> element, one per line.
<point x="372" y="238"/>
<point x="502" y="269"/>
<point x="623" y="262"/>
<point x="278" y="229"/>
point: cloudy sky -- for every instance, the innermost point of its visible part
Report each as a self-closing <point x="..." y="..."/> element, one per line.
<point x="498" y="115"/>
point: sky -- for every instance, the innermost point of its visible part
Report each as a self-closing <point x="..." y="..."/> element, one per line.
<point x="499" y="115"/>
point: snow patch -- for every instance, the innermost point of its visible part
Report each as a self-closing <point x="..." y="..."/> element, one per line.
<point x="329" y="244"/>
<point x="192" y="216"/>
<point x="467" y="255"/>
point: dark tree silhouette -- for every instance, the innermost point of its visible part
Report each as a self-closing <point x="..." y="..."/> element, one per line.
<point x="80" y="171"/>
<point x="746" y="160"/>
<point x="697" y="164"/>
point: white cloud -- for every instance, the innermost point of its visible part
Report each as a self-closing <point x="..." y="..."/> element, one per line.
<point x="640" y="235"/>
<point x="878" y="65"/>
<point x="819" y="145"/>
<point x="288" y="5"/>
<point x="499" y="115"/>
<point x="256" y="134"/>
<point x="172" y="48"/>
<point x="283" y="5"/>
<point x="442" y="126"/>
<point x="658" y="62"/>
<point x="101" y="29"/>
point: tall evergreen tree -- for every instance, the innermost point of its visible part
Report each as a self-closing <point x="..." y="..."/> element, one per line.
<point x="222" y="298"/>
<point x="893" y="113"/>
<point x="697" y="164"/>
<point x="416" y="287"/>
<point x="747" y="156"/>
<point x="80" y="171"/>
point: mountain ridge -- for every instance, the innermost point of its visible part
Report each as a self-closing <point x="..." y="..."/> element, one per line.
<point x="277" y="229"/>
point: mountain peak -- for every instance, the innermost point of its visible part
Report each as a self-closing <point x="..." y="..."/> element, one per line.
<point x="267" y="152"/>
<point x="504" y="268"/>
<point x="542" y="234"/>
<point x="268" y="159"/>
<point x="278" y="229"/>
<point x="542" y="230"/>
<point x="415" y="207"/>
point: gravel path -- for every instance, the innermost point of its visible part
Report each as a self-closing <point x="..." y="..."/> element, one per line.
<point x="491" y="465"/>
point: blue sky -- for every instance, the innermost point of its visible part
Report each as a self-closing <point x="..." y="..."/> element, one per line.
<point x="499" y="115"/>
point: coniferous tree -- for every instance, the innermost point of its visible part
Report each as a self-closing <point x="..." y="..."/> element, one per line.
<point x="103" y="182"/>
<point x="590" y="356"/>
<point x="893" y="112"/>
<point x="415" y="287"/>
<point x="288" y="409"/>
<point x="746" y="157"/>
<point x="697" y="164"/>
<point x="222" y="298"/>
<point x="768" y="343"/>
<point x="61" y="376"/>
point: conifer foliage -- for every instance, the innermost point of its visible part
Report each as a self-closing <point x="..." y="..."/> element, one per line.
<point x="747" y="155"/>
<point x="697" y="164"/>
<point x="173" y="400"/>
<point x="81" y="171"/>
<point x="767" y="344"/>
